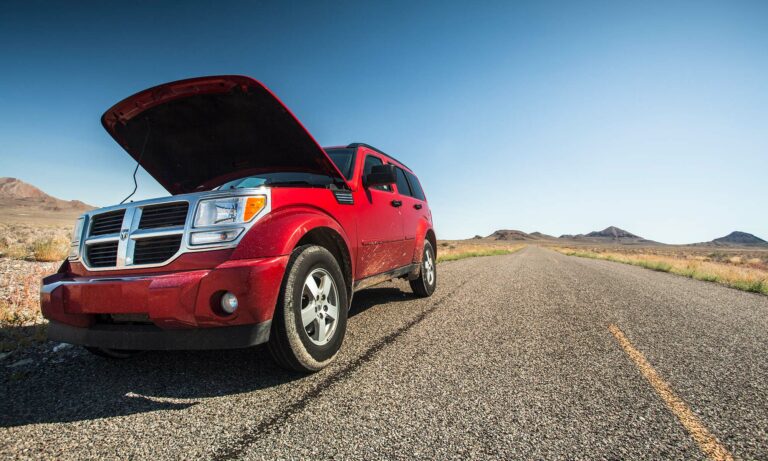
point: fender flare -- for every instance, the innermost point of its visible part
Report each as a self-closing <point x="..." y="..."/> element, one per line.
<point x="424" y="232"/>
<point x="279" y="233"/>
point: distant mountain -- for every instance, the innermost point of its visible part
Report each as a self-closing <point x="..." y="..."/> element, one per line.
<point x="610" y="234"/>
<point x="510" y="234"/>
<point x="21" y="202"/>
<point x="738" y="238"/>
<point x="14" y="190"/>
<point x="614" y="233"/>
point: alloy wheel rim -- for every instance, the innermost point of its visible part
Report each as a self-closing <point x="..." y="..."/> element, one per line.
<point x="429" y="267"/>
<point x="319" y="306"/>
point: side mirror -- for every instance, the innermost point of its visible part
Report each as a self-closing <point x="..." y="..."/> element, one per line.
<point x="380" y="175"/>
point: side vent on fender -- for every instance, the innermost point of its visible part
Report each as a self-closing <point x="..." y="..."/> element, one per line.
<point x="344" y="197"/>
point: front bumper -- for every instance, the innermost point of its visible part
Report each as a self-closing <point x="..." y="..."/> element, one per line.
<point x="150" y="337"/>
<point x="179" y="305"/>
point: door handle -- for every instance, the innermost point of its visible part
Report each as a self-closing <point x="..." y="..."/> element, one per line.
<point x="417" y="206"/>
<point x="396" y="203"/>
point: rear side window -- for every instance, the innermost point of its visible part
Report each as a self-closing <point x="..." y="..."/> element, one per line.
<point x="402" y="183"/>
<point x="416" y="190"/>
<point x="370" y="162"/>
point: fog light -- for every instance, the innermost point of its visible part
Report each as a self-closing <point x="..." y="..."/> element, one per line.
<point x="207" y="238"/>
<point x="229" y="302"/>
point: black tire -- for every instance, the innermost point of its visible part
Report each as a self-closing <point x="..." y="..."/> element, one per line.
<point x="290" y="342"/>
<point x="425" y="285"/>
<point x="114" y="354"/>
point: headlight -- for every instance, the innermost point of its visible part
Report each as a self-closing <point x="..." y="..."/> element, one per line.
<point x="229" y="210"/>
<point x="77" y="234"/>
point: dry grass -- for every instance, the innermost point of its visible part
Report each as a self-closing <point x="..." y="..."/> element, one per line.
<point x="733" y="271"/>
<point x="21" y="322"/>
<point x="34" y="243"/>
<point x="454" y="250"/>
<point x="27" y="254"/>
<point x="50" y="249"/>
<point x="756" y="258"/>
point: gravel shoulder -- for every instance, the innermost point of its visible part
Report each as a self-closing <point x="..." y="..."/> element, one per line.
<point x="510" y="358"/>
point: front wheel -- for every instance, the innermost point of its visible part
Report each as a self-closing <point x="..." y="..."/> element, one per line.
<point x="311" y="314"/>
<point x="425" y="285"/>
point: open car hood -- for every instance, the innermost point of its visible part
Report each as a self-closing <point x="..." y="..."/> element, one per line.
<point x="198" y="133"/>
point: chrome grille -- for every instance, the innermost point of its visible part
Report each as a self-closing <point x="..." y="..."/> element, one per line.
<point x="102" y="254"/>
<point x="107" y="223"/>
<point x="152" y="233"/>
<point x="156" y="249"/>
<point x="166" y="215"/>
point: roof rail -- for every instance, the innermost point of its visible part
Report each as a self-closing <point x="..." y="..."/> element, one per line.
<point x="362" y="144"/>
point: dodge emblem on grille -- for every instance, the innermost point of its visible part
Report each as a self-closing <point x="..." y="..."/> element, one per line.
<point x="123" y="234"/>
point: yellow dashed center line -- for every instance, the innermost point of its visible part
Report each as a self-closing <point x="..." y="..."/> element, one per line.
<point x="707" y="442"/>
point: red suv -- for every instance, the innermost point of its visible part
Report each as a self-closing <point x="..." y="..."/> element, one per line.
<point x="265" y="238"/>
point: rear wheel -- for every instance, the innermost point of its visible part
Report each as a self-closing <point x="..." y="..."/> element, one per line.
<point x="311" y="314"/>
<point x="425" y="285"/>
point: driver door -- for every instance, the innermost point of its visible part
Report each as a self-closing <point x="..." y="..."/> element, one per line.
<point x="379" y="225"/>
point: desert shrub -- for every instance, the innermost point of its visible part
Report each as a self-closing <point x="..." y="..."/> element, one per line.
<point x="728" y="271"/>
<point x="50" y="249"/>
<point x="21" y="322"/>
<point x="14" y="252"/>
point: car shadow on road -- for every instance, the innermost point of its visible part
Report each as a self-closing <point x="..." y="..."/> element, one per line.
<point x="72" y="385"/>
<point x="371" y="297"/>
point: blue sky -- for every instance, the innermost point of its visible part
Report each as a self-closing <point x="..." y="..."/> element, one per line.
<point x="556" y="117"/>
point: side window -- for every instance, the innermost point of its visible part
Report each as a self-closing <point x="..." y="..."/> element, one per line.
<point x="370" y="162"/>
<point x="416" y="191"/>
<point x="344" y="160"/>
<point x="402" y="183"/>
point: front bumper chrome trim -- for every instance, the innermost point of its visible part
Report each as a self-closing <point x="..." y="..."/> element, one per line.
<point x="51" y="287"/>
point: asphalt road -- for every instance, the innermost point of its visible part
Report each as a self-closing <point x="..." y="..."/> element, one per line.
<point x="512" y="357"/>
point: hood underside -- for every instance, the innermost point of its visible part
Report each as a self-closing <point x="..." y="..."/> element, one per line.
<point x="199" y="133"/>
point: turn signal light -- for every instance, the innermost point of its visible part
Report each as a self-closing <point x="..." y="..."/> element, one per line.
<point x="252" y="207"/>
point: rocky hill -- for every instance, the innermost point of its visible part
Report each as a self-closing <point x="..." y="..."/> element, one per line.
<point x="738" y="238"/>
<point x="21" y="202"/>
<point x="510" y="234"/>
<point x="610" y="234"/>
<point x="615" y="235"/>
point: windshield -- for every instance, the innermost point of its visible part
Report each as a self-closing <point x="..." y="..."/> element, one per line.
<point x="287" y="178"/>
<point x="344" y="159"/>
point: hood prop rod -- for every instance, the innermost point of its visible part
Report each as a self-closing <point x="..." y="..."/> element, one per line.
<point x="138" y="162"/>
